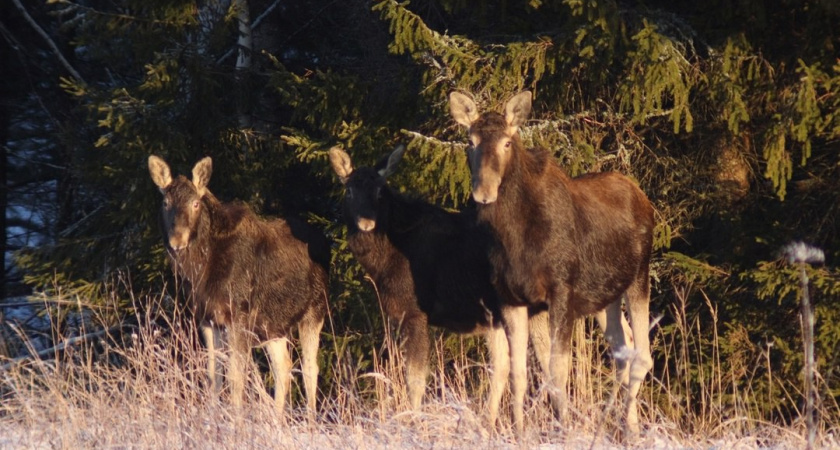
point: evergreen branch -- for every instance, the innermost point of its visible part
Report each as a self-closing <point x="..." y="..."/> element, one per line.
<point x="406" y="23"/>
<point x="49" y="41"/>
<point x="460" y="61"/>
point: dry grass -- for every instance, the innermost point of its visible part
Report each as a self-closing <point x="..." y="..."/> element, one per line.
<point x="152" y="394"/>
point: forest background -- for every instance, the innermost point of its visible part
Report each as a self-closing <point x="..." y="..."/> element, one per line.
<point x="727" y="114"/>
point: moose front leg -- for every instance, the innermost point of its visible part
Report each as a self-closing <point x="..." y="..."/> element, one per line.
<point x="516" y="327"/>
<point x="214" y="341"/>
<point x="415" y="350"/>
<point x="497" y="345"/>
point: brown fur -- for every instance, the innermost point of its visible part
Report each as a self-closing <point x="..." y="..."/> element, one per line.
<point x="254" y="279"/>
<point x="430" y="267"/>
<point x="577" y="245"/>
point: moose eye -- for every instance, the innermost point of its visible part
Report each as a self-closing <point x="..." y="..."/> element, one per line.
<point x="472" y="144"/>
<point x="166" y="203"/>
<point x="195" y="204"/>
<point x="507" y="144"/>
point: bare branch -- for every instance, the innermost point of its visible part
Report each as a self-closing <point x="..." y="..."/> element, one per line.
<point x="49" y="41"/>
<point x="449" y="145"/>
<point x="63" y="345"/>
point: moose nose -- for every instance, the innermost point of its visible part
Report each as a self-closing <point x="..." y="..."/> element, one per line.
<point x="179" y="240"/>
<point x="482" y="197"/>
<point x="365" y="224"/>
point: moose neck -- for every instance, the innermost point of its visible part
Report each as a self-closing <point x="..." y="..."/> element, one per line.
<point x="222" y="219"/>
<point x="518" y="212"/>
<point x="520" y="182"/>
<point x="398" y="219"/>
<point x="372" y="247"/>
<point x="193" y="261"/>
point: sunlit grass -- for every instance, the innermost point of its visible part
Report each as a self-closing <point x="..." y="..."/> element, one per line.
<point x="150" y="391"/>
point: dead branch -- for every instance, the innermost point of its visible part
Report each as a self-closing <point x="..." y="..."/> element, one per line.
<point x="49" y="41"/>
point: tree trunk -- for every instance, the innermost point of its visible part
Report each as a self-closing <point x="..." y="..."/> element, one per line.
<point x="6" y="64"/>
<point x="244" y="46"/>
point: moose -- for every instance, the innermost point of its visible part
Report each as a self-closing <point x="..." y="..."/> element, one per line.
<point x="249" y="281"/>
<point x="430" y="267"/>
<point x="577" y="245"/>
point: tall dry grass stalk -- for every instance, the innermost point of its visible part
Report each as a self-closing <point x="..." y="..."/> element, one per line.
<point x="151" y="392"/>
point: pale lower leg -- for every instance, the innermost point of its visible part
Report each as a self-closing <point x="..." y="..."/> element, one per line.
<point x="516" y="328"/>
<point x="213" y="341"/>
<point x="617" y="333"/>
<point x="497" y="346"/>
<point x="239" y="354"/>
<point x="280" y="360"/>
<point x="561" y="362"/>
<point x="415" y="349"/>
<point x="638" y="305"/>
<point x="541" y="341"/>
<point x="309" y="337"/>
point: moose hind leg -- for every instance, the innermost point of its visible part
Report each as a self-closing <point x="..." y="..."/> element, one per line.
<point x="561" y="323"/>
<point x="280" y="360"/>
<point x="638" y="305"/>
<point x="618" y="334"/>
<point x="415" y="349"/>
<point x="239" y="357"/>
<point x="541" y="341"/>
<point x="310" y="334"/>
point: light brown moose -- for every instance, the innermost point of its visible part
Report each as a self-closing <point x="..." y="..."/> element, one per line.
<point x="578" y="245"/>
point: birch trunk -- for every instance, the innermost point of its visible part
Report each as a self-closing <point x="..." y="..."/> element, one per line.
<point x="244" y="44"/>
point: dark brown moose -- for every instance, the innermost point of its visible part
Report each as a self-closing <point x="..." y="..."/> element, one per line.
<point x="578" y="245"/>
<point x="249" y="281"/>
<point x="430" y="267"/>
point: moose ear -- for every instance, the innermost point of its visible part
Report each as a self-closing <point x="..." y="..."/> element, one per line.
<point x="201" y="175"/>
<point x="393" y="159"/>
<point x="341" y="164"/>
<point x="160" y="173"/>
<point x="462" y="108"/>
<point x="518" y="108"/>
